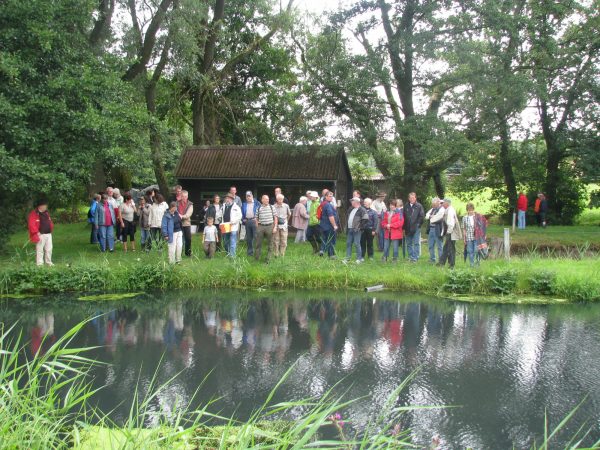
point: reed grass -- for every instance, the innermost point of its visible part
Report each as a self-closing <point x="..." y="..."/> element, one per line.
<point x="45" y="403"/>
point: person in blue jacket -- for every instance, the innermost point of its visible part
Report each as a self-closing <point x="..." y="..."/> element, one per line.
<point x="94" y="236"/>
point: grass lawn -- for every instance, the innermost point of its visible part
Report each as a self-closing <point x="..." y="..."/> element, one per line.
<point x="81" y="267"/>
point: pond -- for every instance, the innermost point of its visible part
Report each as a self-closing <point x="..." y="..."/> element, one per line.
<point x="500" y="367"/>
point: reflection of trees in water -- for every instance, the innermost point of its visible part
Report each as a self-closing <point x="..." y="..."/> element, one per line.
<point x="469" y="354"/>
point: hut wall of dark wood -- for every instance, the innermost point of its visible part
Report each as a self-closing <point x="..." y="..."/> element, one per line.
<point x="206" y="171"/>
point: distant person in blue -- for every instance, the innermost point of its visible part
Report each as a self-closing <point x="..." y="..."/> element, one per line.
<point x="328" y="225"/>
<point x="94" y="236"/>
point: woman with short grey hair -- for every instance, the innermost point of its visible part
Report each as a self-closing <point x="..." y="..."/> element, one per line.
<point x="300" y="219"/>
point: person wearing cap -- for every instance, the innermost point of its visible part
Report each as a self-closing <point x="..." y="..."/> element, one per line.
<point x="413" y="219"/>
<point x="380" y="208"/>
<point x="436" y="221"/>
<point x="249" y="212"/>
<point x="357" y="221"/>
<point x="40" y="227"/>
<point x="328" y="225"/>
<point x="313" y="231"/>
<point x="300" y="219"/>
<point x="232" y="215"/>
<point x="452" y="234"/>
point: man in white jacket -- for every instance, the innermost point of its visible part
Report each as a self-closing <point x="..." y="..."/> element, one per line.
<point x="452" y="234"/>
<point x="232" y="215"/>
<point x="434" y="235"/>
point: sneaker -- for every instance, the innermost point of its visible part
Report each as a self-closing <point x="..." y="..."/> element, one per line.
<point x="320" y="253"/>
<point x="360" y="261"/>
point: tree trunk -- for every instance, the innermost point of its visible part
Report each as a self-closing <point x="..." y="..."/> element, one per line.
<point x="155" y="142"/>
<point x="198" y="119"/>
<point x="506" y="162"/>
<point x="438" y="183"/>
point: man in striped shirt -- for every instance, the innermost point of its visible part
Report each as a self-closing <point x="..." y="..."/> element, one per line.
<point x="266" y="227"/>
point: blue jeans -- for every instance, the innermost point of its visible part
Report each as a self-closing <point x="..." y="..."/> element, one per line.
<point x="107" y="238"/>
<point x="250" y="235"/>
<point x="413" y="245"/>
<point x="230" y="242"/>
<point x="521" y="220"/>
<point x="386" y="247"/>
<point x="471" y="251"/>
<point x="353" y="239"/>
<point x="380" y="238"/>
<point x="328" y="242"/>
<point x="435" y="241"/>
<point x="145" y="237"/>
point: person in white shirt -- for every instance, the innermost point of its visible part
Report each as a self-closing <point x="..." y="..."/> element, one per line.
<point x="380" y="208"/>
<point x="210" y="238"/>
<point x="436" y="221"/>
<point x="452" y="234"/>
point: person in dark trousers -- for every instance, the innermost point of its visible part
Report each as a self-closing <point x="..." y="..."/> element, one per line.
<point x="414" y="214"/>
<point x="94" y="237"/>
<point x="366" y="242"/>
<point x="328" y="224"/>
<point x="249" y="211"/>
<point x="452" y="233"/>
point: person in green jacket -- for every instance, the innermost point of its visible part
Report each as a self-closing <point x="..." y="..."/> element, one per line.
<point x="313" y="232"/>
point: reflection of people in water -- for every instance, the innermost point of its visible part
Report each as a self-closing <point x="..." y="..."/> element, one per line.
<point x="42" y="334"/>
<point x="326" y="331"/>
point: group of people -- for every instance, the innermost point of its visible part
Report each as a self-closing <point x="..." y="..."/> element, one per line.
<point x="540" y="209"/>
<point x="114" y="218"/>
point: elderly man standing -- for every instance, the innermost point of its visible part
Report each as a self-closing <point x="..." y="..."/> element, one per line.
<point x="266" y="222"/>
<point x="413" y="219"/>
<point x="380" y="208"/>
<point x="357" y="220"/>
<point x="452" y="234"/>
<point x="232" y="215"/>
<point x="366" y="241"/>
<point x="185" y="208"/>
<point x="283" y="213"/>
<point x="436" y="221"/>
<point x="40" y="233"/>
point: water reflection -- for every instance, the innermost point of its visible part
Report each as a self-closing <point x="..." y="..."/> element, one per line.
<point x="503" y="365"/>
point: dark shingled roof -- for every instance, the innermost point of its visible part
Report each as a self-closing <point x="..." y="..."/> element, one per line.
<point x="260" y="163"/>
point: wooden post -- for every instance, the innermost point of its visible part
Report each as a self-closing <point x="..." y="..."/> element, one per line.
<point x="507" y="243"/>
<point x="514" y="221"/>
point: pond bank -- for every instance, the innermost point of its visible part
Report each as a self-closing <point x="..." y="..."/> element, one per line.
<point x="518" y="281"/>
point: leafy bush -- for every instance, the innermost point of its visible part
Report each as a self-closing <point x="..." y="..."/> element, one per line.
<point x="543" y="282"/>
<point x="502" y="282"/>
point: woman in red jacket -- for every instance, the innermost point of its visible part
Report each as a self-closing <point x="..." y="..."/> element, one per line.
<point x="392" y="223"/>
<point x="40" y="233"/>
<point x="521" y="210"/>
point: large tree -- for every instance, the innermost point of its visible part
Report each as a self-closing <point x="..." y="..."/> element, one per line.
<point x="391" y="93"/>
<point x="564" y="57"/>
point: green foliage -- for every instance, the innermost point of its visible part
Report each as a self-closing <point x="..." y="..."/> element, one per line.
<point x="543" y="282"/>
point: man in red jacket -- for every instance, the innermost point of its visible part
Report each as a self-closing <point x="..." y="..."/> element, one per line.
<point x="40" y="233"/>
<point x="521" y="210"/>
